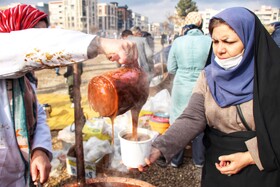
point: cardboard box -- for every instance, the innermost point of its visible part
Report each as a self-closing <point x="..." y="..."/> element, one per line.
<point x="90" y="167"/>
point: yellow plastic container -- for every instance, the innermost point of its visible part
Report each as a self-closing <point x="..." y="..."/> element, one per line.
<point x="159" y="122"/>
<point x="145" y="113"/>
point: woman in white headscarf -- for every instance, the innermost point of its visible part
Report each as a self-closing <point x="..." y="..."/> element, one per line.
<point x="186" y="59"/>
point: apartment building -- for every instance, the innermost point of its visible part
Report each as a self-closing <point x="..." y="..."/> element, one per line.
<point x="268" y="14"/>
<point x="80" y="15"/>
<point x="125" y="20"/>
<point x="56" y="14"/>
<point x="104" y="19"/>
<point x="136" y="17"/>
<point x="108" y="19"/>
<point x="207" y="14"/>
<point x="144" y="23"/>
<point x="44" y="7"/>
<point x="156" y="28"/>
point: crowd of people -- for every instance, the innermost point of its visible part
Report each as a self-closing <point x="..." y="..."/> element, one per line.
<point x="224" y="97"/>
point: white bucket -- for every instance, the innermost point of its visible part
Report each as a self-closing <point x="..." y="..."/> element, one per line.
<point x="133" y="153"/>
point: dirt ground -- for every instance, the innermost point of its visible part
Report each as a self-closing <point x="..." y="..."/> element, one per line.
<point x="185" y="176"/>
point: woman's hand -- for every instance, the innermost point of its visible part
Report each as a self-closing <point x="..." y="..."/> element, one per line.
<point x="155" y="154"/>
<point x="233" y="163"/>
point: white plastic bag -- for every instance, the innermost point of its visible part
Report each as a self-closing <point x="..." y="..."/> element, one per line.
<point x="67" y="134"/>
<point x="161" y="102"/>
<point x="95" y="149"/>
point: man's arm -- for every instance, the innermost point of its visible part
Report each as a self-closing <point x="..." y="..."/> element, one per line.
<point x="33" y="49"/>
<point x="149" y="54"/>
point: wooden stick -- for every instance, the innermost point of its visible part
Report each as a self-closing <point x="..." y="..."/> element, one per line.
<point x="79" y="124"/>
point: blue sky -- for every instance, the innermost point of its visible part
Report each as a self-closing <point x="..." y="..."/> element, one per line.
<point x="158" y="10"/>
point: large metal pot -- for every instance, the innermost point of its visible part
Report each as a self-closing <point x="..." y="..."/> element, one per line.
<point x="113" y="182"/>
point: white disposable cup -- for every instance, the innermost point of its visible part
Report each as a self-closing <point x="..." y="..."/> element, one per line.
<point x="133" y="153"/>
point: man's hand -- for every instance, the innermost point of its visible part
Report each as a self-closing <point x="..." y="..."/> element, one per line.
<point x="233" y="163"/>
<point x="122" y="51"/>
<point x="40" y="165"/>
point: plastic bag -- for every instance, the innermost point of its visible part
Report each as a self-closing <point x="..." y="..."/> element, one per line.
<point x="95" y="149"/>
<point x="161" y="102"/>
<point x="96" y="127"/>
<point x="67" y="134"/>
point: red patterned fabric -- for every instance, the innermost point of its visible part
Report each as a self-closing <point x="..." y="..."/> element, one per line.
<point x="20" y="17"/>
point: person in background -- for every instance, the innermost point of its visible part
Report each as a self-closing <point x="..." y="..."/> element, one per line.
<point x="69" y="75"/>
<point x="274" y="31"/>
<point x="145" y="54"/>
<point x="169" y="39"/>
<point x="163" y="40"/>
<point x="25" y="145"/>
<point x="236" y="102"/>
<point x="149" y="49"/>
<point x="276" y="34"/>
<point x="57" y="71"/>
<point x="149" y="39"/>
<point x="186" y="59"/>
<point x="176" y="35"/>
<point x="136" y="31"/>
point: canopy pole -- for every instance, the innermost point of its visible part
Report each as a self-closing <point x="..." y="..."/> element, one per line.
<point x="79" y="124"/>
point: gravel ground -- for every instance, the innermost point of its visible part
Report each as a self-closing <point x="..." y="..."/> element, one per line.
<point x="185" y="176"/>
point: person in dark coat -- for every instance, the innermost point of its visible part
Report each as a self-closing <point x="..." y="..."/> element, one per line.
<point x="276" y="33"/>
<point x="69" y="75"/>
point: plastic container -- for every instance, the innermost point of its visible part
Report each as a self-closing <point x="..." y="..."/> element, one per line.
<point x="159" y="122"/>
<point x="71" y="165"/>
<point x="133" y="153"/>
